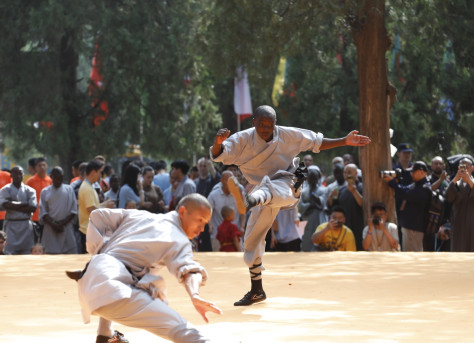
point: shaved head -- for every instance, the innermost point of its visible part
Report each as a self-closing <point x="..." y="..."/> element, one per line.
<point x="193" y="202"/>
<point x="227" y="174"/>
<point x="265" y="111"/>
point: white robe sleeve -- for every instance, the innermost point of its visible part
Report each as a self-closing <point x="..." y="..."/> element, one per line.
<point x="31" y="193"/>
<point x="72" y="201"/>
<point x="43" y="205"/>
<point x="102" y="224"/>
<point x="182" y="263"/>
<point x="233" y="148"/>
<point x="4" y="195"/>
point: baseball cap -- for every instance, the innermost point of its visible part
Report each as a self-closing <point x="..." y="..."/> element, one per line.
<point x="378" y="206"/>
<point x="418" y="165"/>
<point x="404" y="147"/>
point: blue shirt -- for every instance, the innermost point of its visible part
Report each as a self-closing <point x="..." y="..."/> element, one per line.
<point x="162" y="181"/>
<point x="415" y="199"/>
<point x="127" y="194"/>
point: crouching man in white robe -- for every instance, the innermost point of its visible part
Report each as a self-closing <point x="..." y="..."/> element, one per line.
<point x="128" y="247"/>
<point x="266" y="155"/>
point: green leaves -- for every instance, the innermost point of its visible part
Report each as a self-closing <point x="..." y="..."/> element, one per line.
<point x="147" y="49"/>
<point x="168" y="68"/>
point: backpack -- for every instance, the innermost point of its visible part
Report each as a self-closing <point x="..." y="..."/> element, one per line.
<point x="435" y="210"/>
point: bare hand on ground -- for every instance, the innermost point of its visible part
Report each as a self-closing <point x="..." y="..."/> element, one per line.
<point x="203" y="306"/>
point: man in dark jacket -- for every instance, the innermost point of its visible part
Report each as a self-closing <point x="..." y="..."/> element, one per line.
<point x="415" y="200"/>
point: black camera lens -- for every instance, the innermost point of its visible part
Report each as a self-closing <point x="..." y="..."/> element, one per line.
<point x="376" y="220"/>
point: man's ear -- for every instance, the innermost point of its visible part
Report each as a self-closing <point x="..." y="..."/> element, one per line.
<point x="181" y="211"/>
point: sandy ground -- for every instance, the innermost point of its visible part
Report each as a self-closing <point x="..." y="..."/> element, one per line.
<point x="312" y="297"/>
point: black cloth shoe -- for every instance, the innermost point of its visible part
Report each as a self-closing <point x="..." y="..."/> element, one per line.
<point x="251" y="298"/>
<point x="74" y="275"/>
<point x="117" y="337"/>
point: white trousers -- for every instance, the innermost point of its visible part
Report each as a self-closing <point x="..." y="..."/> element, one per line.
<point x="144" y="312"/>
<point x="262" y="217"/>
<point x="412" y="240"/>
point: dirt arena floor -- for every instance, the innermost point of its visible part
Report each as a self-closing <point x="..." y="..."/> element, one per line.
<point x="312" y="297"/>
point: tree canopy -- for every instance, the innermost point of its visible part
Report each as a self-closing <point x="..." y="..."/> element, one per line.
<point x="168" y="68"/>
<point x="158" y="90"/>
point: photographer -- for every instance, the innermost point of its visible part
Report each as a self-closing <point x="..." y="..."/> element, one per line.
<point x="439" y="209"/>
<point x="404" y="154"/>
<point x="334" y="235"/>
<point x="461" y="194"/>
<point x="380" y="235"/>
<point x="413" y="211"/>
<point x="350" y="199"/>
<point x="438" y="177"/>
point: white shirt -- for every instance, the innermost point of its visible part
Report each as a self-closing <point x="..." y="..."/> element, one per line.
<point x="219" y="199"/>
<point x="379" y="242"/>
<point x="257" y="158"/>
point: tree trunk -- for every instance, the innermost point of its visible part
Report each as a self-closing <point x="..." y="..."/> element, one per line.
<point x="372" y="42"/>
<point x="68" y="70"/>
<point x="346" y="124"/>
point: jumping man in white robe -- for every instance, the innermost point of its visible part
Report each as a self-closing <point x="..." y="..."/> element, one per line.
<point x="128" y="247"/>
<point x="266" y="155"/>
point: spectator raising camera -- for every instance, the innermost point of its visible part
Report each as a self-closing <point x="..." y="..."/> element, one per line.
<point x="334" y="235"/>
<point x="380" y="235"/>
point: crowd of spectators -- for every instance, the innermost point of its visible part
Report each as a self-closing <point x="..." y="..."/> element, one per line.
<point x="45" y="214"/>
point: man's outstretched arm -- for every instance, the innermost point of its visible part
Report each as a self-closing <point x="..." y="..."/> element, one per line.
<point x="192" y="283"/>
<point x="221" y="136"/>
<point x="352" y="139"/>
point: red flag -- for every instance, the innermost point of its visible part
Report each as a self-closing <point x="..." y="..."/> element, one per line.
<point x="339" y="54"/>
<point x="242" y="101"/>
<point x="96" y="89"/>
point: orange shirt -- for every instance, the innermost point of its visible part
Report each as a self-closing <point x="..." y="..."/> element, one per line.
<point x="74" y="179"/>
<point x="38" y="184"/>
<point x="5" y="179"/>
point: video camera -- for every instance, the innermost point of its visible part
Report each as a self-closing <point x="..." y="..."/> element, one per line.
<point x="396" y="174"/>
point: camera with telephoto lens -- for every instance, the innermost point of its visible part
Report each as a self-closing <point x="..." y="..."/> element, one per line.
<point x="376" y="220"/>
<point x="396" y="174"/>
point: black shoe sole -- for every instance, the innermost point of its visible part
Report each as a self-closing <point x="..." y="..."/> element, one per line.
<point x="240" y="303"/>
<point x="257" y="301"/>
